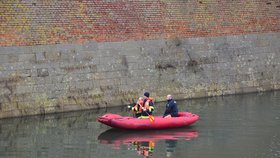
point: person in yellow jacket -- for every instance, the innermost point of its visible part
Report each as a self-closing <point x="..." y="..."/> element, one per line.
<point x="138" y="107"/>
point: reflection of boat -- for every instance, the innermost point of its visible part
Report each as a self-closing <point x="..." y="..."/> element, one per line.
<point x="118" y="137"/>
<point x="144" y="142"/>
<point x="131" y="123"/>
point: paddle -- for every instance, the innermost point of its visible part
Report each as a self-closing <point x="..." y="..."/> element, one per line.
<point x="151" y="118"/>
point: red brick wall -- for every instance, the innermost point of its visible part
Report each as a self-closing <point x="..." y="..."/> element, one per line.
<point x="26" y="22"/>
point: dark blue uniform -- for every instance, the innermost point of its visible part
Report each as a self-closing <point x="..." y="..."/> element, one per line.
<point x="171" y="108"/>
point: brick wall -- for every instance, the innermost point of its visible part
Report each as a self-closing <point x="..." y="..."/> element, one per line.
<point x="58" y="56"/>
<point x="36" y="22"/>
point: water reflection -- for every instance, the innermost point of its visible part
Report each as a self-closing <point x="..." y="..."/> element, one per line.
<point x="144" y="142"/>
<point x="231" y="126"/>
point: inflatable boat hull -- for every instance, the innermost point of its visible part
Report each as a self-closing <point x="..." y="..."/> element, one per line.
<point x="131" y="123"/>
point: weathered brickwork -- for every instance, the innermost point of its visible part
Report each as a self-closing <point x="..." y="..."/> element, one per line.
<point x="58" y="56"/>
<point x="33" y="22"/>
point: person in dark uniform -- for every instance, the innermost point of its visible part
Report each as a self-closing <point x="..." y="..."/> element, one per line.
<point x="171" y="107"/>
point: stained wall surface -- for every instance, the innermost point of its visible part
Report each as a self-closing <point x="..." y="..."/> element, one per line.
<point x="58" y="56"/>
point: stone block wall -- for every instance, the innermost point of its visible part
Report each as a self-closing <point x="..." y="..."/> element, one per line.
<point x="58" y="56"/>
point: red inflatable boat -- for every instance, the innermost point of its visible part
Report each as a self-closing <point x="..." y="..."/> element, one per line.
<point x="131" y="123"/>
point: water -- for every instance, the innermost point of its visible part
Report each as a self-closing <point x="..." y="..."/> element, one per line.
<point x="243" y="126"/>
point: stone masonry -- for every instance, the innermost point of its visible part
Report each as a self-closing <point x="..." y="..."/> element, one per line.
<point x="57" y="56"/>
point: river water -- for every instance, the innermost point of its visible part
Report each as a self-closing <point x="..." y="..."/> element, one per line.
<point x="239" y="126"/>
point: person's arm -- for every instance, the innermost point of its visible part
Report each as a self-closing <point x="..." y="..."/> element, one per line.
<point x="167" y="111"/>
<point x="151" y="106"/>
<point x="174" y="110"/>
